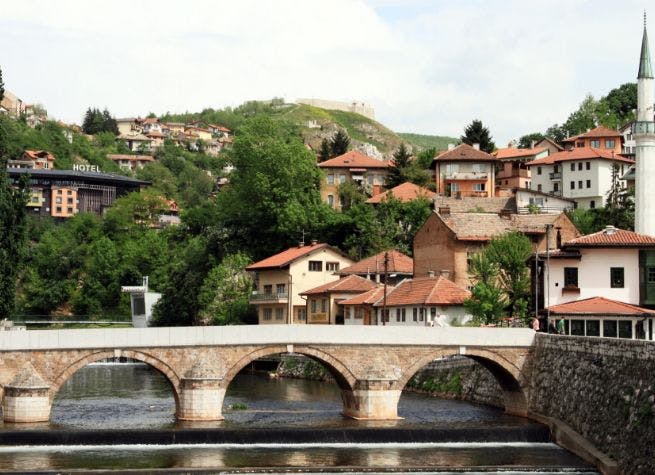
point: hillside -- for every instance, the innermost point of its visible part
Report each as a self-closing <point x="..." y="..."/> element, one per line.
<point x="427" y="141"/>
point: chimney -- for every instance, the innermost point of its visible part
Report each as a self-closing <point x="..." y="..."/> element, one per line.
<point x="533" y="143"/>
<point x="476" y="146"/>
<point x="444" y="210"/>
<point x="445" y="273"/>
<point x="451" y="146"/>
<point x="314" y="242"/>
<point x="609" y="230"/>
<point x="430" y="273"/>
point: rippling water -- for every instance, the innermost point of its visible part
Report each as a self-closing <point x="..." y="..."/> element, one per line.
<point x="133" y="396"/>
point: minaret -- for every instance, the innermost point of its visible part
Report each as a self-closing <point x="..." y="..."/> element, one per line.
<point x="644" y="134"/>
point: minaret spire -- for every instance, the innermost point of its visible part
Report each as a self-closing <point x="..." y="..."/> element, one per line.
<point x="645" y="68"/>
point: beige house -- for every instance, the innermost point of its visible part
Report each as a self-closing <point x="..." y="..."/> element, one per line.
<point x="282" y="278"/>
<point x="323" y="301"/>
<point x="131" y="162"/>
<point x="465" y="171"/>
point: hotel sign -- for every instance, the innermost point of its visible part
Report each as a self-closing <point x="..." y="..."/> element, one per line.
<point x="86" y="168"/>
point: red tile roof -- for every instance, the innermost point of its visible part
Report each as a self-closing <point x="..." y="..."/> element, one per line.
<point x="485" y="226"/>
<point x="511" y="152"/>
<point x="611" y="237"/>
<point x="398" y="263"/>
<point x="580" y="153"/>
<point x="366" y="298"/>
<point x="599" y="306"/>
<point x="599" y="131"/>
<point x="426" y="291"/>
<point x="404" y="192"/>
<point x="353" y="159"/>
<point x="285" y="258"/>
<point x="353" y="284"/>
<point x="465" y="152"/>
<point x="36" y="154"/>
<point x="138" y="158"/>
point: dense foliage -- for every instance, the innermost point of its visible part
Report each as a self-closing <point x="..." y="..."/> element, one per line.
<point x="95" y="122"/>
<point x="475" y="132"/>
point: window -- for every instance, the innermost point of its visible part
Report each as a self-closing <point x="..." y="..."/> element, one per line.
<point x="402" y="314"/>
<point x="452" y="168"/>
<point x="58" y="209"/>
<point x="69" y="201"/>
<point x="650" y="275"/>
<point x="594" y="143"/>
<point x="579" y="144"/>
<point x="478" y="167"/>
<point x="588" y="165"/>
<point x="315" y="266"/>
<point x="579" y="184"/>
<point x="592" y="204"/>
<point x="139" y="305"/>
<point x="268" y="314"/>
<point x="538" y="170"/>
<point x="454" y="187"/>
<point x="609" y="328"/>
<point x="59" y="192"/>
<point x="593" y="327"/>
<point x="69" y="210"/>
<point x="571" y="277"/>
<point x="609" y="143"/>
<point x="302" y="314"/>
<point x="332" y="266"/>
<point x="556" y="169"/>
<point x="323" y="305"/>
<point x="330" y="201"/>
<point x="370" y="179"/>
<point x="617" y="277"/>
<point x="579" y="166"/>
<point x="415" y="314"/>
<point x="478" y="186"/>
<point x="625" y="329"/>
<point x="573" y="167"/>
<point x="342" y="178"/>
<point x="279" y="314"/>
<point x="58" y="200"/>
<point x="330" y="179"/>
<point x="555" y="186"/>
<point x="573" y="185"/>
<point x="397" y="314"/>
<point x="539" y="187"/>
<point x="421" y="315"/>
<point x="313" y="306"/>
<point x="577" y="327"/>
<point x="69" y="192"/>
<point x="268" y="289"/>
<point x="281" y="289"/>
<point x="588" y="183"/>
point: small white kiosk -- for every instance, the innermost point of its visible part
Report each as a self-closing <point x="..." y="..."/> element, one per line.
<point x="142" y="302"/>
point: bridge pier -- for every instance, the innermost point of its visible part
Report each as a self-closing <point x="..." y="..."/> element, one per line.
<point x="26" y="397"/>
<point x="372" y="399"/>
<point x="201" y="395"/>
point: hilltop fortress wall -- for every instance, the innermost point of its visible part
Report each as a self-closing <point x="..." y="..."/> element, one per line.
<point x="355" y="106"/>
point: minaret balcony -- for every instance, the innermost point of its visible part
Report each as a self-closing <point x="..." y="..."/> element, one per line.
<point x="643" y="127"/>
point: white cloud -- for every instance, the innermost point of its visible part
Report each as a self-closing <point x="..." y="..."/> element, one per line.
<point x="426" y="67"/>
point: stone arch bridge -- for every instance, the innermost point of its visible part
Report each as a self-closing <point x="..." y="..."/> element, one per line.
<point x="371" y="365"/>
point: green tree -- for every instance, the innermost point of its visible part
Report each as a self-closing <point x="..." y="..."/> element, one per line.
<point x="96" y="121"/>
<point x="2" y="86"/>
<point x="399" y="166"/>
<point x="583" y="119"/>
<point x="527" y="140"/>
<point x="475" y="132"/>
<point x="556" y="133"/>
<point x="13" y="237"/>
<point x="488" y="301"/>
<point x="225" y="293"/>
<point x="339" y="143"/>
<point x="325" y="152"/>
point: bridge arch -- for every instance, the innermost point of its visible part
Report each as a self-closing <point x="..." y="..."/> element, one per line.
<point x="504" y="371"/>
<point x="96" y="356"/>
<point x="339" y="371"/>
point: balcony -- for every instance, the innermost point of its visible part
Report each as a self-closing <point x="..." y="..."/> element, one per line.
<point x="267" y="297"/>
<point x="555" y="176"/>
<point x="517" y="173"/>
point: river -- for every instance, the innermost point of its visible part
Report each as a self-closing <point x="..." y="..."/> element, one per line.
<point x="274" y="424"/>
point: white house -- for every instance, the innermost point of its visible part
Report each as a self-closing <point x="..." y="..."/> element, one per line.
<point x="583" y="174"/>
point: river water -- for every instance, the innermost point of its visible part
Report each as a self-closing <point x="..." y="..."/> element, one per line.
<point x="296" y="425"/>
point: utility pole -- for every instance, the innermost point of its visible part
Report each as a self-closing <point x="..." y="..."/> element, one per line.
<point x="547" y="302"/>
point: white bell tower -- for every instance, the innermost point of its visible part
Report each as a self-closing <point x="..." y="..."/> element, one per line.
<point x="643" y="131"/>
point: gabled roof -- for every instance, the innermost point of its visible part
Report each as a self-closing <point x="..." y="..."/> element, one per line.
<point x="353" y="284"/>
<point x="367" y="298"/>
<point x="398" y="263"/>
<point x="597" y="132"/>
<point x="285" y="258"/>
<point x="36" y="154"/>
<point x="552" y="142"/>
<point x="465" y="152"/>
<point x="485" y="226"/>
<point x="599" y="306"/>
<point x="426" y="291"/>
<point x="580" y="153"/>
<point x="137" y="158"/>
<point x="611" y="237"/>
<point x="404" y="192"/>
<point x="511" y="152"/>
<point x="353" y="159"/>
<point x="137" y="137"/>
<point x="467" y="204"/>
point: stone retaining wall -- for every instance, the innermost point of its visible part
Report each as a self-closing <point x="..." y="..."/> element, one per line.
<point x="602" y="388"/>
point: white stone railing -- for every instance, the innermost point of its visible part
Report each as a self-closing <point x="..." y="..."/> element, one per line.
<point x="124" y="338"/>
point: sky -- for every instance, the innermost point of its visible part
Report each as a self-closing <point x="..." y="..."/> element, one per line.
<point x="427" y="67"/>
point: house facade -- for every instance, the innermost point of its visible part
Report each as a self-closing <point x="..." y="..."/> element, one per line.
<point x="282" y="278"/>
<point x="323" y="301"/>
<point x="582" y="174"/>
<point x="33" y="160"/>
<point x="404" y="193"/>
<point x="600" y="138"/>
<point x="393" y="264"/>
<point x="446" y="241"/>
<point x="354" y="167"/>
<point x="465" y="171"/>
<point x="513" y="172"/>
<point x="131" y="162"/>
